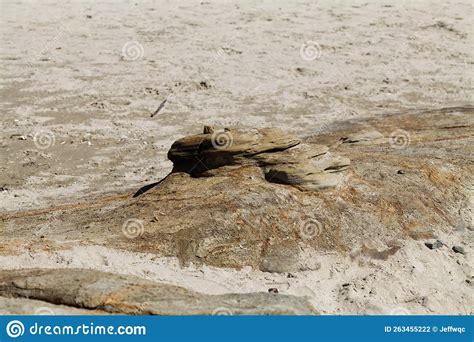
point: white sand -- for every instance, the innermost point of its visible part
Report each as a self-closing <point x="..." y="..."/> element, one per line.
<point x="414" y="281"/>
<point x="72" y="70"/>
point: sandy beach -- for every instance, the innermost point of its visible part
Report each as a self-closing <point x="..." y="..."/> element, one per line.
<point x="81" y="83"/>
<point x="67" y="76"/>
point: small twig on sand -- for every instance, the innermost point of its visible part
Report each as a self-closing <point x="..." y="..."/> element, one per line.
<point x="160" y="107"/>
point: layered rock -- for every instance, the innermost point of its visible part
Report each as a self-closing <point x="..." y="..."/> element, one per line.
<point x="282" y="157"/>
<point x="415" y="184"/>
<point x="73" y="291"/>
<point x="198" y="153"/>
<point x="26" y="306"/>
<point x="364" y="136"/>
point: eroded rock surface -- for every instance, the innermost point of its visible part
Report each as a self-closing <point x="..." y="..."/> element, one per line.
<point x="198" y="153"/>
<point x="25" y="306"/>
<point x="364" y="136"/>
<point x="80" y="289"/>
<point x="282" y="157"/>
<point x="228" y="214"/>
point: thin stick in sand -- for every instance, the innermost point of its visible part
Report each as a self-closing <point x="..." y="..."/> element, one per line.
<point x="160" y="107"/>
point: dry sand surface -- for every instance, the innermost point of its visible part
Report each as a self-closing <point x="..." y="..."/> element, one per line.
<point x="80" y="80"/>
<point x="64" y="73"/>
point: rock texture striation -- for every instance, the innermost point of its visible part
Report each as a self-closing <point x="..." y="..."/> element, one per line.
<point x="223" y="211"/>
<point x="81" y="290"/>
<point x="267" y="200"/>
<point x="282" y="157"/>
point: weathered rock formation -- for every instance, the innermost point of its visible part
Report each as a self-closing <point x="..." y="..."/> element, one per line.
<point x="281" y="157"/>
<point x="76" y="291"/>
<point x="27" y="306"/>
<point x="410" y="177"/>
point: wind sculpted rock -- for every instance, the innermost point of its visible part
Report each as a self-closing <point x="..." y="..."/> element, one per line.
<point x="282" y="158"/>
<point x="198" y="153"/>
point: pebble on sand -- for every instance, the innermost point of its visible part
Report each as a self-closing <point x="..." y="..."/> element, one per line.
<point x="434" y="245"/>
<point x="459" y="249"/>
